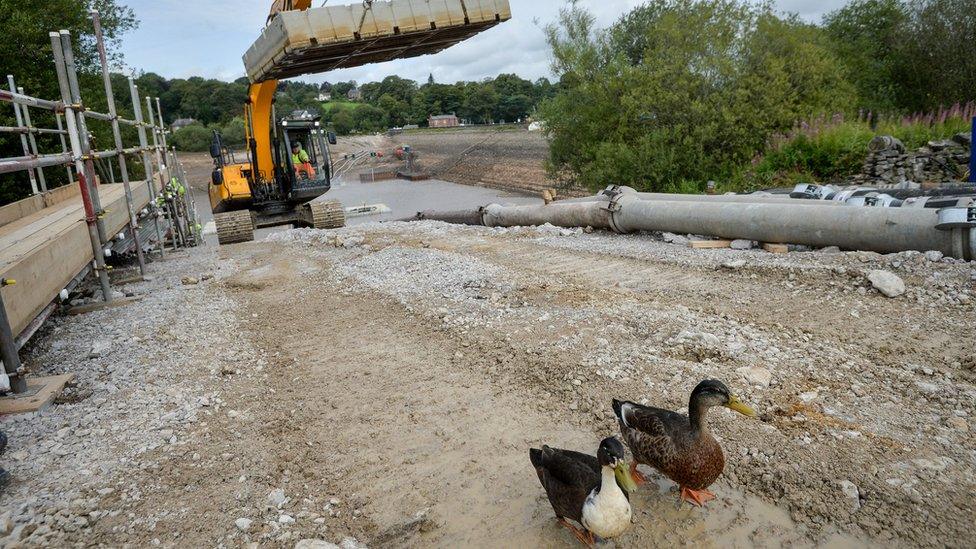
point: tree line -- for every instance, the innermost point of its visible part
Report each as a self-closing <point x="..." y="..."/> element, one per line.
<point x="392" y="102"/>
<point x="679" y="92"/>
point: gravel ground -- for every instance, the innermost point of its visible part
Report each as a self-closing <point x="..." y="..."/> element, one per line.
<point x="382" y="382"/>
<point x="866" y="400"/>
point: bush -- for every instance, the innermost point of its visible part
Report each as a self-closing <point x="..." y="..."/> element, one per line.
<point x="833" y="150"/>
<point x="651" y="104"/>
<point x="193" y="138"/>
<point x="233" y="133"/>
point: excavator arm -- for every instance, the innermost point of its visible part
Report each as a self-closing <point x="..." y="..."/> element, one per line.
<point x="259" y="102"/>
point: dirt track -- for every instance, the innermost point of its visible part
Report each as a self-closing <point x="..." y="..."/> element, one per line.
<point x="388" y="379"/>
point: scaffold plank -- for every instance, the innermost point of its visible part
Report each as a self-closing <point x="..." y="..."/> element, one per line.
<point x="43" y="251"/>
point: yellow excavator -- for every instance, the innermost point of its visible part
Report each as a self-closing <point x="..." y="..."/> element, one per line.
<point x="268" y="188"/>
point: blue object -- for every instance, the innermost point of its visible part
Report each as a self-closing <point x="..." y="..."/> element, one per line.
<point x="972" y="154"/>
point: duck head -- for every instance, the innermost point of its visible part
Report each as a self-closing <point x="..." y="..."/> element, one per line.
<point x="711" y="393"/>
<point x="611" y="454"/>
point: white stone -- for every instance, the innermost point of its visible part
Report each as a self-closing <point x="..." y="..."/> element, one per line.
<point x="933" y="255"/>
<point x="886" y="282"/>
<point x="852" y="493"/>
<point x="352" y="543"/>
<point x="100" y="348"/>
<point x="809" y="396"/>
<point x="277" y="498"/>
<point x="741" y="244"/>
<point x="286" y="519"/>
<point x="315" y="544"/>
<point x="676" y="239"/>
<point x="243" y="524"/>
<point x="756" y="375"/>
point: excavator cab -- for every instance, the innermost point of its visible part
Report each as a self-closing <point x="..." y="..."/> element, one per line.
<point x="304" y="150"/>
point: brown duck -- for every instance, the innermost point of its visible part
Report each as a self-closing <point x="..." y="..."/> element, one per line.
<point x="680" y="447"/>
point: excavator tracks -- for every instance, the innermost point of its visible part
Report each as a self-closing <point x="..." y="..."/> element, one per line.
<point x="329" y="214"/>
<point x="234" y="227"/>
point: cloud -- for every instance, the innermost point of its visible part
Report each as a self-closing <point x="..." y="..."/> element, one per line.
<point x="209" y="38"/>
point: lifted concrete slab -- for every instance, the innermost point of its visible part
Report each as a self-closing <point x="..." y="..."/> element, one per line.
<point x="41" y="392"/>
<point x="336" y="37"/>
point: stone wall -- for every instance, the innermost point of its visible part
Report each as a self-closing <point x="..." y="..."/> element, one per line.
<point x="889" y="165"/>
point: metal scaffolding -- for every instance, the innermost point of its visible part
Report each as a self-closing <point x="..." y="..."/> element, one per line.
<point x="165" y="180"/>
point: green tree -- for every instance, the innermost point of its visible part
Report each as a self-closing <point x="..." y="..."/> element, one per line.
<point x="233" y="133"/>
<point x="193" y="138"/>
<point x="342" y="120"/>
<point x="937" y="65"/>
<point x="481" y="102"/>
<point x="397" y="110"/>
<point x="370" y="119"/>
<point x="681" y="91"/>
<point x="26" y="54"/>
<point x="867" y="35"/>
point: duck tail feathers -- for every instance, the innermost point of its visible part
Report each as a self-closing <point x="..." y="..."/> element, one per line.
<point x="535" y="456"/>
<point x="618" y="408"/>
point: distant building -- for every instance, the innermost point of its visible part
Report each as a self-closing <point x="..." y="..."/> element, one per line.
<point x="181" y="123"/>
<point x="325" y="96"/>
<point x="443" y="121"/>
<point x="354" y="94"/>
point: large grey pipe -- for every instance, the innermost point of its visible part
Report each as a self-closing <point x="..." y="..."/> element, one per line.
<point x="458" y="217"/>
<point x="883" y="230"/>
<point x="577" y="214"/>
<point x="735" y="198"/>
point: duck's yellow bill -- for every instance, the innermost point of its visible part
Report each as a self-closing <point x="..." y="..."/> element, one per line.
<point x="739" y="406"/>
<point x="624" y="478"/>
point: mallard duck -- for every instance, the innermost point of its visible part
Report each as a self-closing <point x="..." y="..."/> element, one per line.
<point x="679" y="446"/>
<point x="589" y="490"/>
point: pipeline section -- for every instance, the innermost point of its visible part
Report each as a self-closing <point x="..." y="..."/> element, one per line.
<point x="950" y="230"/>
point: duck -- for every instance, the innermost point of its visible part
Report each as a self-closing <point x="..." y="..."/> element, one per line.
<point x="592" y="491"/>
<point x="679" y="446"/>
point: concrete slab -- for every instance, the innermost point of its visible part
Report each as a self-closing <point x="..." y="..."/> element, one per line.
<point x="336" y="37"/>
<point x="41" y="392"/>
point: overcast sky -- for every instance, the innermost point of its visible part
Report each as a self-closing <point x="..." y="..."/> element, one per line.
<point x="181" y="38"/>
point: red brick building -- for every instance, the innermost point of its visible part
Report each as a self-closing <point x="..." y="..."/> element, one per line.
<point x="443" y="121"/>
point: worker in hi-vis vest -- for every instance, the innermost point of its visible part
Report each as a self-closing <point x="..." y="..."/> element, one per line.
<point x="301" y="161"/>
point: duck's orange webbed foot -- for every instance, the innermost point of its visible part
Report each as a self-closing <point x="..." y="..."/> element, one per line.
<point x="584" y="536"/>
<point x="696" y="497"/>
<point x="639" y="478"/>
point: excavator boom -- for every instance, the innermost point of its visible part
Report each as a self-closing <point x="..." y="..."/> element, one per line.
<point x="260" y="97"/>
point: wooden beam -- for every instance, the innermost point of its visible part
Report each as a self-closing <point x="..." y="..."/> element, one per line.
<point x="41" y="392"/>
<point x="709" y="244"/>
<point x="776" y="248"/>
<point x="92" y="307"/>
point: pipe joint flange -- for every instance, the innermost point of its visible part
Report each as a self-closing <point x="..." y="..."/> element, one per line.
<point x="810" y="191"/>
<point x="957" y="218"/>
<point x="615" y="206"/>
